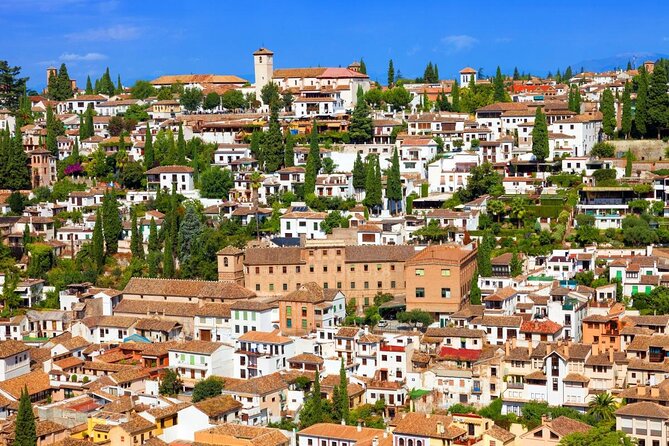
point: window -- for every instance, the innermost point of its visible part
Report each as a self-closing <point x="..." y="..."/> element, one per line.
<point x="420" y="272"/>
<point x="297" y="269"/>
<point x="271" y="270"/>
<point x="378" y="267"/>
<point x="257" y="287"/>
<point x="285" y="287"/>
<point x="339" y="285"/>
<point x="289" y="323"/>
<point x="446" y="273"/>
<point x="392" y="284"/>
<point x="420" y="292"/>
<point x="304" y="311"/>
<point x="366" y="268"/>
<point x="271" y="287"/>
<point x="379" y="284"/>
<point x="311" y="268"/>
<point x="445" y="293"/>
<point x="366" y="285"/>
<point x="284" y="269"/>
<point x="289" y="310"/>
<point x="304" y="323"/>
<point x="352" y="285"/>
<point x="325" y="268"/>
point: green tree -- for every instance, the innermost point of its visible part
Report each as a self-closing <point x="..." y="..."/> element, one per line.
<point x="604" y="434"/>
<point x="149" y="154"/>
<point x="60" y="86"/>
<point x="626" y="120"/>
<point x="344" y="404"/>
<point x="373" y="198"/>
<point x="97" y="243"/>
<point x="181" y="147"/>
<point x="289" y="152"/>
<point x="313" y="162"/>
<point x="142" y="90"/>
<point x="112" y="226"/>
<point x="54" y="129"/>
<point x="312" y="409"/>
<point x="189" y="232"/>
<point x="360" y="129"/>
<point x="212" y="100"/>
<point x="232" y="100"/>
<point x="89" y="122"/>
<point x="154" y="249"/>
<point x="374" y="97"/>
<point x="25" y="431"/>
<point x="484" y="254"/>
<point x="629" y="158"/>
<point x="359" y="173"/>
<point x="89" y="86"/>
<point x="270" y="96"/>
<point x="607" y="107"/>
<point x="602" y="407"/>
<point x="272" y="147"/>
<point x="603" y="150"/>
<point x="17" y="171"/>
<point x="171" y="383"/>
<point x="482" y="180"/>
<point x="191" y="99"/>
<point x="207" y="388"/>
<point x="333" y="220"/>
<point x="658" y="100"/>
<point x="415" y="316"/>
<point x="216" y="183"/>
<point x="540" y="148"/>
<point x="394" y="185"/>
<point x="474" y="290"/>
<point x="363" y="66"/>
<point x="168" y="258"/>
<point x="397" y="97"/>
<point x="17" y="203"/>
<point x="455" y="97"/>
<point x="496" y="208"/>
<point x="641" y="114"/>
<point x="13" y="86"/>
<point x="391" y="73"/>
<point x="574" y="99"/>
<point x="499" y="92"/>
<point x="516" y="265"/>
<point x="136" y="242"/>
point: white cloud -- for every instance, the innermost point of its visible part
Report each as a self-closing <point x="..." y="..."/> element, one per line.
<point x="81" y="57"/>
<point x="115" y="32"/>
<point x="458" y="42"/>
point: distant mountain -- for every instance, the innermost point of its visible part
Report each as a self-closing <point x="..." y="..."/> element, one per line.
<point x="617" y="61"/>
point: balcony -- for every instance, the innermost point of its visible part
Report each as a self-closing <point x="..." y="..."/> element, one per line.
<point x="515" y="385"/>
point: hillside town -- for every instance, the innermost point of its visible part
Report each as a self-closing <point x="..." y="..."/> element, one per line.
<point x="315" y="258"/>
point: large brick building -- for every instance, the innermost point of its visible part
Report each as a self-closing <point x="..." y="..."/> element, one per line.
<point x="358" y="271"/>
<point x="439" y="277"/>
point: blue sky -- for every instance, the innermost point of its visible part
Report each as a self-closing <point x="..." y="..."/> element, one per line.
<point x="143" y="39"/>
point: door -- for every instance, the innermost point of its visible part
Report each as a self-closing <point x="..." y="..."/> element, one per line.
<point x="205" y="335"/>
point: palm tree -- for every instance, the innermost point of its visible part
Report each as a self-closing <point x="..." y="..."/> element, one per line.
<point x="602" y="407"/>
<point x="256" y="180"/>
<point x="518" y="209"/>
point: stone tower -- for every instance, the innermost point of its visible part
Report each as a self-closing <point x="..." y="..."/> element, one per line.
<point x="231" y="265"/>
<point x="263" y="62"/>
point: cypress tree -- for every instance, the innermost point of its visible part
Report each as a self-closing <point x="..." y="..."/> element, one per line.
<point x="428" y="74"/>
<point x="436" y="73"/>
<point x="628" y="163"/>
<point x="568" y="73"/>
<point x="97" y="243"/>
<point x="149" y="154"/>
<point x="154" y="249"/>
<point x="171" y="155"/>
<point x="89" y="86"/>
<point x="25" y="431"/>
<point x="289" y="153"/>
<point x="189" y="233"/>
<point x="641" y="111"/>
<point x="391" y="73"/>
<point x="168" y="259"/>
<point x="119" y="86"/>
<point x="75" y="150"/>
<point x="60" y="86"/>
<point x="499" y="94"/>
<point x="88" y="123"/>
<point x="626" y="120"/>
<point x="658" y="100"/>
<point x="313" y="162"/>
<point x="455" y="97"/>
<point x="607" y="107"/>
<point x="343" y="392"/>
<point x="540" y="147"/>
<point x="359" y="173"/>
<point x="363" y="66"/>
<point x="136" y="242"/>
<point x="51" y="141"/>
<point x="254" y="146"/>
<point x="516" y="74"/>
<point x="111" y="222"/>
<point x="316" y="395"/>
<point x="17" y="168"/>
<point x="474" y="290"/>
<point x="361" y="127"/>
<point x="82" y="129"/>
<point x="181" y="146"/>
<point x="373" y="199"/>
<point x="272" y="148"/>
<point x="394" y="185"/>
<point x="483" y="255"/>
<point x="516" y="265"/>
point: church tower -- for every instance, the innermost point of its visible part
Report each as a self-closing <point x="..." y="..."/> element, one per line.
<point x="263" y="62"/>
<point x="231" y="265"/>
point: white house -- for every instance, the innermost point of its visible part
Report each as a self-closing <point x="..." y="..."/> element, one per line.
<point x="261" y="353"/>
<point x="297" y="223"/>
<point x="166" y="177"/>
<point x="14" y="359"/>
<point x="197" y="360"/>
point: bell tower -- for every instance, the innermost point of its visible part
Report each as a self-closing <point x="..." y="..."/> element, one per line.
<point x="263" y="62"/>
<point x="231" y="265"/>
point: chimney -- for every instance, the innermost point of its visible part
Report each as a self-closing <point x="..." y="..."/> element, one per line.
<point x="529" y="348"/>
<point x="549" y="348"/>
<point x="343" y="423"/>
<point x="595" y="349"/>
<point x="427" y="415"/>
<point x="440" y="427"/>
<point x="507" y="348"/>
<point x="641" y="390"/>
<point x="375" y="441"/>
<point x="611" y="355"/>
<point x="359" y="426"/>
<point x="386" y="431"/>
<point x="545" y="419"/>
<point x="655" y="392"/>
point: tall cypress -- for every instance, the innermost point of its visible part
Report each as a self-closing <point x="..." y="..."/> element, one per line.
<point x="51" y="137"/>
<point x="499" y="94"/>
<point x="97" y="243"/>
<point x="289" y="153"/>
<point x="17" y="167"/>
<point x="272" y="147"/>
<point x="373" y="196"/>
<point x="540" y="148"/>
<point x="313" y="162"/>
<point x="89" y="85"/>
<point x="628" y="163"/>
<point x="394" y="185"/>
<point x="391" y="73"/>
<point x="361" y="127"/>
<point x="641" y="110"/>
<point x="149" y="154"/>
<point x="181" y="146"/>
<point x="136" y="242"/>
<point x="111" y="222"/>
<point x="88" y="122"/>
<point x="25" y="431"/>
<point x="626" y="120"/>
<point x="658" y="100"/>
<point x="363" y="66"/>
<point x="359" y="173"/>
<point x="154" y="249"/>
<point x="455" y="97"/>
<point x="607" y="107"/>
<point x="343" y="392"/>
<point x="168" y="259"/>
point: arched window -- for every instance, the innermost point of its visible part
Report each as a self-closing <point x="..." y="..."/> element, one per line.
<point x="419" y="442"/>
<point x="401" y="441"/>
<point x="225" y="262"/>
<point x="410" y="442"/>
